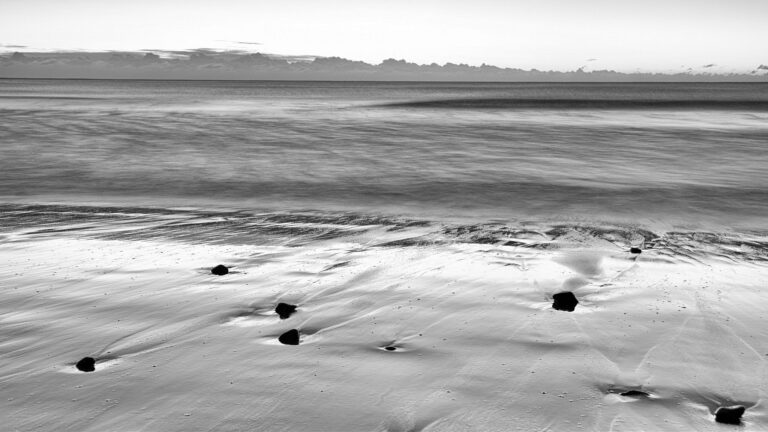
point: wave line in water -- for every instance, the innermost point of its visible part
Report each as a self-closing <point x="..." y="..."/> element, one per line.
<point x="583" y="104"/>
<point x="301" y="227"/>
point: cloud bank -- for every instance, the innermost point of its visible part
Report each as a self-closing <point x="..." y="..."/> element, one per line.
<point x="210" y="64"/>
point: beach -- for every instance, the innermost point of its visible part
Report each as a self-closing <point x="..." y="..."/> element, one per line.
<point x="423" y="261"/>
<point x="477" y="342"/>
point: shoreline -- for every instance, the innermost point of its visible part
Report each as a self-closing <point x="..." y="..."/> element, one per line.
<point x="629" y="218"/>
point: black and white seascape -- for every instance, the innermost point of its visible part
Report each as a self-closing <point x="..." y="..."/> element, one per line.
<point x="343" y="245"/>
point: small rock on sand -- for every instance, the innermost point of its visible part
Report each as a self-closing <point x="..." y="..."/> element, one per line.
<point x="86" y="364"/>
<point x="285" y="310"/>
<point x="729" y="415"/>
<point x="635" y="394"/>
<point x="635" y="250"/>
<point x="564" y="301"/>
<point x="220" y="270"/>
<point x="291" y="337"/>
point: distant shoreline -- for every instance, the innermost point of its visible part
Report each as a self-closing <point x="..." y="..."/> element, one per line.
<point x="395" y="81"/>
<point x="205" y="65"/>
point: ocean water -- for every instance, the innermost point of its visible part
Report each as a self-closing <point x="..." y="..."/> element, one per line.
<point x="679" y="154"/>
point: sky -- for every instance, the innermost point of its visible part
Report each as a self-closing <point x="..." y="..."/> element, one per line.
<point x="624" y="35"/>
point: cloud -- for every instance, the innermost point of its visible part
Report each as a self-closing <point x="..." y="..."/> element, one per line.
<point x="592" y="59"/>
<point x="12" y="46"/>
<point x="19" y="57"/>
<point x="762" y="67"/>
<point x="295" y="58"/>
<point x="707" y="66"/>
<point x="211" y="63"/>
<point x="240" y="42"/>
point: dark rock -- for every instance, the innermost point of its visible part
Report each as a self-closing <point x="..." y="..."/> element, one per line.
<point x="285" y="310"/>
<point x="564" y="301"/>
<point x="635" y="250"/>
<point x="635" y="394"/>
<point x="220" y="270"/>
<point x="291" y="337"/>
<point x="390" y="348"/>
<point x="729" y="415"/>
<point x="87" y="364"/>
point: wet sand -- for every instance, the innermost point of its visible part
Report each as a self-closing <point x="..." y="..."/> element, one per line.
<point x="396" y="333"/>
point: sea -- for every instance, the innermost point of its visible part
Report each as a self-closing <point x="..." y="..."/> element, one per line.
<point x="637" y="152"/>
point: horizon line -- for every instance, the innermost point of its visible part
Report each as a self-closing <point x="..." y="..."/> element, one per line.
<point x="379" y="81"/>
<point x="211" y="65"/>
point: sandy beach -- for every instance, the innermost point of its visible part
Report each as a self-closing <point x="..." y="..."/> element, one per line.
<point x="403" y="327"/>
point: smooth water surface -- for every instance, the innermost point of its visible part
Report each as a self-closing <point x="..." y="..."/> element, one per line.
<point x="682" y="153"/>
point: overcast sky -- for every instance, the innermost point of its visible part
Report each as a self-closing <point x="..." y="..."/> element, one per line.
<point x="626" y="35"/>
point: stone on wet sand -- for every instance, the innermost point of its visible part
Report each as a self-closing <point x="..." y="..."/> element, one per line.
<point x="291" y="337"/>
<point x="220" y="270"/>
<point x="285" y="310"/>
<point x="635" y="394"/>
<point x="86" y="364"/>
<point x="564" y="301"/>
<point x="729" y="415"/>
